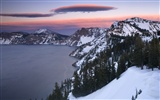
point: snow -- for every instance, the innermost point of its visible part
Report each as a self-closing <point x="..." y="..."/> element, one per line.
<point x="101" y="31"/>
<point x="125" y="87"/>
<point x="87" y="49"/>
<point x="3" y="41"/>
<point x="84" y="40"/>
<point x="116" y="65"/>
<point x="80" y="62"/>
<point x="115" y="24"/>
<point x="41" y="31"/>
<point x="92" y="48"/>
<point x="143" y="25"/>
<point x="146" y="39"/>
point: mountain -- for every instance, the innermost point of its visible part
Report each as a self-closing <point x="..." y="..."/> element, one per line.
<point x="40" y="36"/>
<point x="90" y="49"/>
<point x="43" y="31"/>
<point x="84" y="35"/>
<point x="131" y="42"/>
<point x="132" y="81"/>
<point x="116" y="33"/>
<point x="134" y="25"/>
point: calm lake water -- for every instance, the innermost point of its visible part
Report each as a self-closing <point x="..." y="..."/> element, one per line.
<point x="30" y="71"/>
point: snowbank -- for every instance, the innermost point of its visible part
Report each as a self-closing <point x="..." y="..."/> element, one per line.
<point x="125" y="87"/>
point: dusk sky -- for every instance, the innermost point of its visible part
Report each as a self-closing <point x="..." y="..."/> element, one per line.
<point x="66" y="16"/>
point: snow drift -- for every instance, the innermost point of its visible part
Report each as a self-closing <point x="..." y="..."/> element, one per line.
<point x="132" y="80"/>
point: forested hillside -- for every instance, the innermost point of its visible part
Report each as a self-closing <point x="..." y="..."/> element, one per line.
<point x="123" y="45"/>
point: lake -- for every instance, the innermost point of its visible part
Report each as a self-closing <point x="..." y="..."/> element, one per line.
<point x="30" y="71"/>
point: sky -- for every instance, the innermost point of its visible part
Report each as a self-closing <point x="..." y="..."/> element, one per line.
<point x="66" y="16"/>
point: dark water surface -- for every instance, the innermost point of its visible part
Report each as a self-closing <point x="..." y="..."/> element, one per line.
<point x="31" y="71"/>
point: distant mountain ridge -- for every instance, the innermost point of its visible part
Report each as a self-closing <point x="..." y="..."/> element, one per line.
<point x="45" y="31"/>
<point x="45" y="36"/>
<point x="40" y="36"/>
<point x="128" y="27"/>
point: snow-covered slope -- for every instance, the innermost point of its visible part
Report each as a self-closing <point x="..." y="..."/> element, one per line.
<point x="132" y="80"/>
<point x="83" y="36"/>
<point x="40" y="31"/>
<point x="90" y="50"/>
<point x="9" y="38"/>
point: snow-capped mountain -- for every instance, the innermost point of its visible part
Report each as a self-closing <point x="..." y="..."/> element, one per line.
<point x="129" y="27"/>
<point x="45" y="31"/>
<point x="40" y="36"/>
<point x="84" y="35"/>
<point x="134" y="25"/>
<point x="101" y="59"/>
<point x="90" y="50"/>
<point x="12" y="37"/>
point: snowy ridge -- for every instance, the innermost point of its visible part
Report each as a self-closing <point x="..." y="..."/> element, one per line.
<point x="89" y="51"/>
<point x="45" y="31"/>
<point x="83" y="36"/>
<point x="41" y="31"/>
<point x="8" y="38"/>
<point x="125" y="87"/>
<point x="134" y="25"/>
<point x="5" y="41"/>
<point x="41" y="36"/>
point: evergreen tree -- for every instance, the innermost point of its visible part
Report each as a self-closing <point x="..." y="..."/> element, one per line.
<point x="57" y="93"/>
<point x="76" y="85"/>
<point x="154" y="53"/>
<point x="121" y="66"/>
<point x="113" y="73"/>
<point x="146" y="54"/>
<point x="138" y="52"/>
<point x="65" y="94"/>
<point x="50" y="97"/>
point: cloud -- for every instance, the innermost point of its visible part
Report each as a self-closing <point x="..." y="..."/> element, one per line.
<point x="64" y="9"/>
<point x="28" y="15"/>
<point x="82" y="8"/>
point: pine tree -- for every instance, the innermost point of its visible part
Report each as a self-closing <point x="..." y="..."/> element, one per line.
<point x="113" y="72"/>
<point x="138" y="52"/>
<point x="133" y="98"/>
<point x="154" y="53"/>
<point x="121" y="66"/>
<point x="57" y="92"/>
<point x="65" y="94"/>
<point x="76" y="85"/>
<point x="146" y="54"/>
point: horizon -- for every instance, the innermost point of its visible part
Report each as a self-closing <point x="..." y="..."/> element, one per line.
<point x="65" y="17"/>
